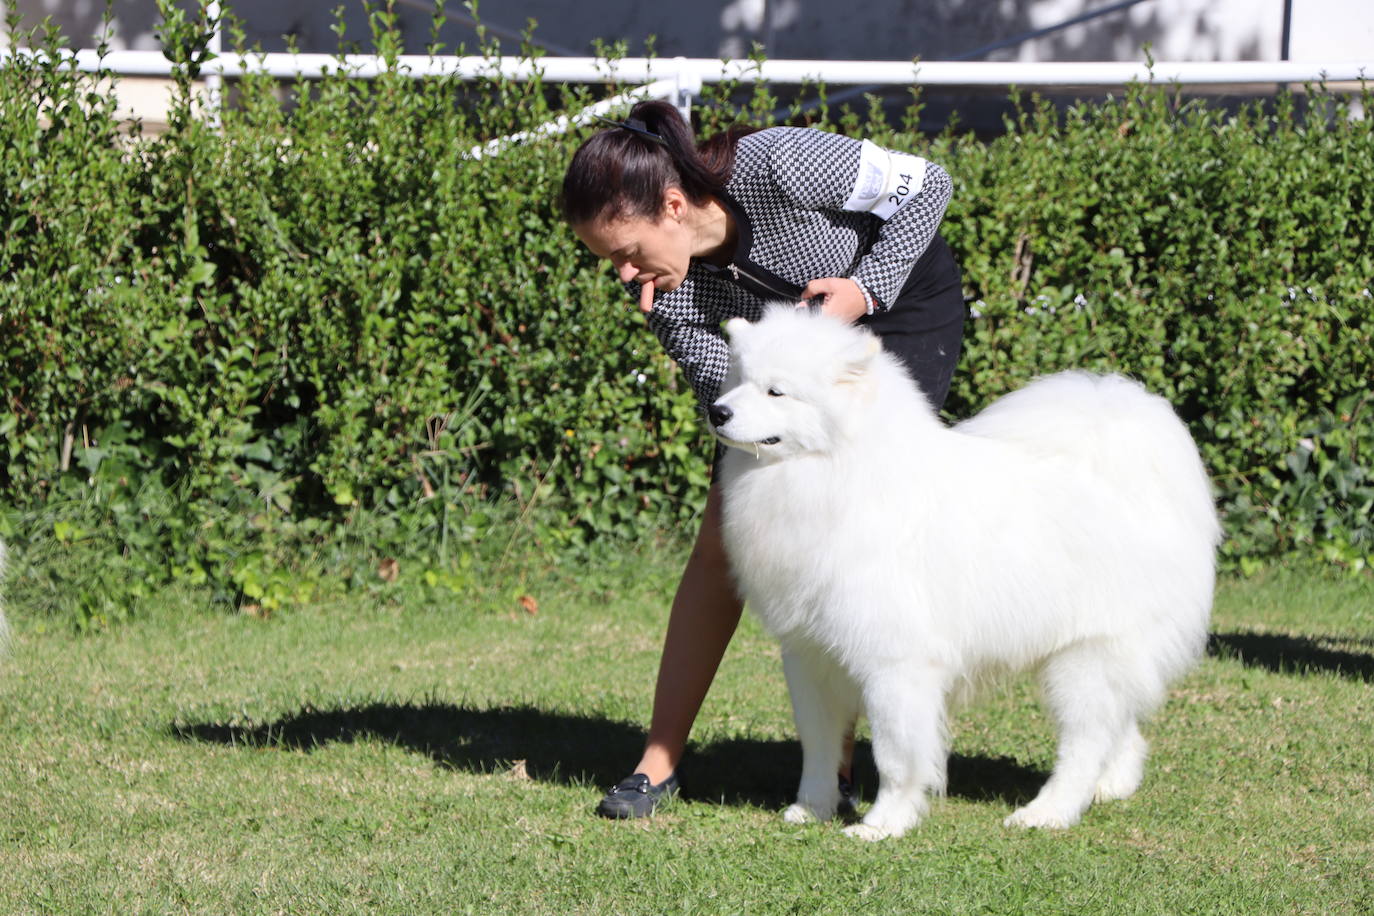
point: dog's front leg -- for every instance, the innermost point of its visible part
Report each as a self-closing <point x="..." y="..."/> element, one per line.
<point x="906" y="712"/>
<point x="824" y="704"/>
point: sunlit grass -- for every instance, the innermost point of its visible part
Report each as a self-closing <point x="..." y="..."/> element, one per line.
<point x="389" y="753"/>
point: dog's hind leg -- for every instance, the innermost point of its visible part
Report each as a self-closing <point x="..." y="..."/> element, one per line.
<point x="906" y="712"/>
<point x="1125" y="767"/>
<point x="824" y="704"/>
<point x="1096" y="720"/>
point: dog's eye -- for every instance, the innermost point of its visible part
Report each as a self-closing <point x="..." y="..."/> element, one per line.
<point x="774" y="393"/>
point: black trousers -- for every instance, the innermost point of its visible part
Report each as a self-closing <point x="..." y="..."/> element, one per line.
<point x="924" y="327"/>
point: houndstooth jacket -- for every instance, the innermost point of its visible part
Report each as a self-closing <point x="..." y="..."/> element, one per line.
<point x="807" y="204"/>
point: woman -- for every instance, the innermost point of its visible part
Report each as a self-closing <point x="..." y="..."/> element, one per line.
<point x="700" y="235"/>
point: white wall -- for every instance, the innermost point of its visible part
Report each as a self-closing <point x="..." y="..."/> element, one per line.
<point x="1182" y="30"/>
<point x="1332" y="29"/>
<point x="1175" y="30"/>
<point x="877" y="29"/>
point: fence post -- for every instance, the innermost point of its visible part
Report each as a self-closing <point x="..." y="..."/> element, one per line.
<point x="214" y="80"/>
<point x="686" y="84"/>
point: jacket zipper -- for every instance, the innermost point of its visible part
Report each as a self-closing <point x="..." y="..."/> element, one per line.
<point x="736" y="271"/>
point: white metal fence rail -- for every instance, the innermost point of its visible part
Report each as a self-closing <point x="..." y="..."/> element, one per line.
<point x="680" y="79"/>
<point x="710" y="70"/>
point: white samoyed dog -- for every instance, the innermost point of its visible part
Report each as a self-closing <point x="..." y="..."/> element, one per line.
<point x="1069" y="528"/>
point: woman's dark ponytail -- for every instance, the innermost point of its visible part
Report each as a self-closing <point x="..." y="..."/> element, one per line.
<point x="620" y="173"/>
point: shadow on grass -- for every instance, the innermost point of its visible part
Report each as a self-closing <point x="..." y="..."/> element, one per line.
<point x="1290" y="655"/>
<point x="571" y="749"/>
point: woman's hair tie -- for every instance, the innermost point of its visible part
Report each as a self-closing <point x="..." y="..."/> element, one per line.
<point x="635" y="126"/>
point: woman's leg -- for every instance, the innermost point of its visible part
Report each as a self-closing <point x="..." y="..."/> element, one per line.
<point x="704" y="616"/>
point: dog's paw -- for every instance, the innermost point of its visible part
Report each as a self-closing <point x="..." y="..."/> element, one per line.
<point x="868" y="832"/>
<point x="887" y="820"/>
<point x="1114" y="788"/>
<point x="809" y="810"/>
<point x="1045" y="817"/>
<point x="1121" y="778"/>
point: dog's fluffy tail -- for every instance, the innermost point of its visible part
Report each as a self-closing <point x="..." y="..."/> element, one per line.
<point x="1119" y="428"/>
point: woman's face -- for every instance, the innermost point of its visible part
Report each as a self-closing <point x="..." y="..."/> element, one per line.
<point x="646" y="251"/>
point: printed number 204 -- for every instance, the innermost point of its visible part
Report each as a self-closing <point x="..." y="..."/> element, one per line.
<point x="902" y="191"/>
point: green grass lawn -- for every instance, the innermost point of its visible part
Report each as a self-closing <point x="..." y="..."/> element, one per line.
<point x="391" y="754"/>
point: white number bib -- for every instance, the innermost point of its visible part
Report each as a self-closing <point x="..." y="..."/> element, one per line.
<point x="886" y="181"/>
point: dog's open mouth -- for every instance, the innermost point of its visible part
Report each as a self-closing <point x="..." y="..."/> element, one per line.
<point x="752" y="445"/>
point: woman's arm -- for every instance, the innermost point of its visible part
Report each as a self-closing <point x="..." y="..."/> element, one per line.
<point x="819" y="170"/>
<point x="686" y="321"/>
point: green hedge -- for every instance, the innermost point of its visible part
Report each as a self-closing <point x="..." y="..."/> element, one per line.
<point x="1224" y="258"/>
<point x="217" y="344"/>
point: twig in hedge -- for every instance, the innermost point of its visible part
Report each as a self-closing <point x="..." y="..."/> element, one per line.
<point x="525" y="513"/>
<point x="425" y="485"/>
<point x="1022" y="259"/>
<point x="495" y="325"/>
<point x="68" y="438"/>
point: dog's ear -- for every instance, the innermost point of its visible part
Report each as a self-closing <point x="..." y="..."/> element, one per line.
<point x="736" y="327"/>
<point x="859" y="356"/>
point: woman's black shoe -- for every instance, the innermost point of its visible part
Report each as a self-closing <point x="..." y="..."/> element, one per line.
<point x="635" y="796"/>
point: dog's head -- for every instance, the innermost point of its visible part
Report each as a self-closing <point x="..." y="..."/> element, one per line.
<point x="796" y="379"/>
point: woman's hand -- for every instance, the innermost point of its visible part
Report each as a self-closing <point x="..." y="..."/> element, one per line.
<point x="840" y="297"/>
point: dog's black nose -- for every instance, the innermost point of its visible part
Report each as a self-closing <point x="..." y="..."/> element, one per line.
<point x="719" y="414"/>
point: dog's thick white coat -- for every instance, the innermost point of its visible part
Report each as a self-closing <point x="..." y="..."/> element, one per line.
<point x="1068" y="528"/>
